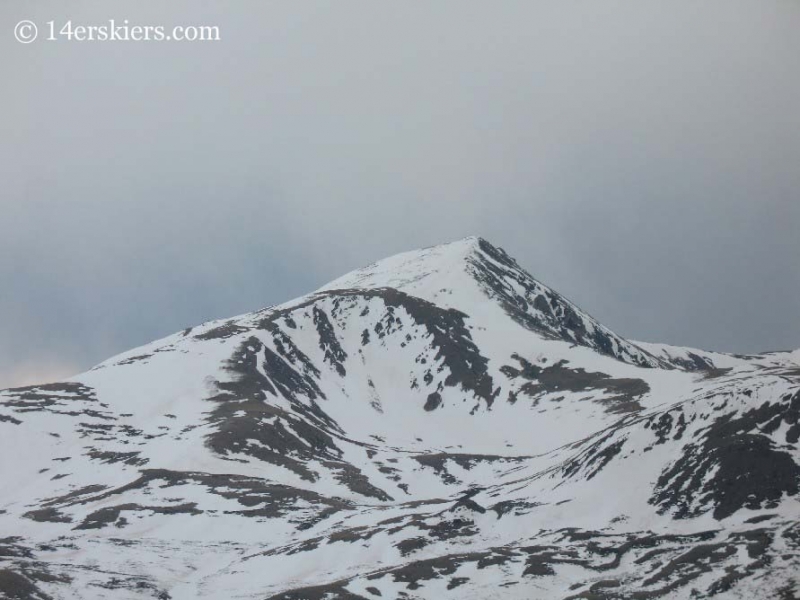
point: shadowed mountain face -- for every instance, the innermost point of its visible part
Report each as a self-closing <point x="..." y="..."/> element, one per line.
<point x="436" y="425"/>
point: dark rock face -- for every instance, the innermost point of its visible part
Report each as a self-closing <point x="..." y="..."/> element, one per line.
<point x="667" y="563"/>
<point x="334" y="353"/>
<point x="247" y="424"/>
<point x="14" y="585"/>
<point x="433" y="402"/>
<point x="544" y="311"/>
<point x="734" y="465"/>
<point x="129" y="458"/>
<point x="67" y="398"/>
<point x="619" y="395"/>
<point x="112" y="514"/>
<point x="694" y="362"/>
<point x="222" y="332"/>
<point x="449" y="336"/>
<point x="595" y="457"/>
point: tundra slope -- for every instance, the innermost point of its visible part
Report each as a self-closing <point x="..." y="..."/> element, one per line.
<point x="435" y="425"/>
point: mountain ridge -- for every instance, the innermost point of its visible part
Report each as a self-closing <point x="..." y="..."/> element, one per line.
<point x="465" y="249"/>
<point x="436" y="424"/>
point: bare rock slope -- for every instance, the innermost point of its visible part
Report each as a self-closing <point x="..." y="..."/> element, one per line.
<point x="436" y="425"/>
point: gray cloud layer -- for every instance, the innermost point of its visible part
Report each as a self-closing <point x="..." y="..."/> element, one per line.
<point x="639" y="157"/>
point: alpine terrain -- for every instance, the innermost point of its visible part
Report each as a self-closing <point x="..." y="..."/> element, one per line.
<point x="436" y="425"/>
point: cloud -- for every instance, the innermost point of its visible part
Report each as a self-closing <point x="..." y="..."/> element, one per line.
<point x="640" y="159"/>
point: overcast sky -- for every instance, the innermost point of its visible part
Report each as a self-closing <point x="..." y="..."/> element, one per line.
<point x="640" y="157"/>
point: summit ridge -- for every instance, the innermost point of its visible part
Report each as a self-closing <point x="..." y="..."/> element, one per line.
<point x="438" y="424"/>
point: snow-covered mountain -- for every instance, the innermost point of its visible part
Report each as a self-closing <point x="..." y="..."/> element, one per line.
<point x="435" y="425"/>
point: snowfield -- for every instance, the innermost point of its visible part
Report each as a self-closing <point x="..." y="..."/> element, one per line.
<point x="436" y="425"/>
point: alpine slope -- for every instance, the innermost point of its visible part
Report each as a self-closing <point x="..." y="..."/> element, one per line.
<point x="437" y="425"/>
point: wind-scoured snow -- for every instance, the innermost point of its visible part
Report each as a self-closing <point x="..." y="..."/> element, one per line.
<point x="436" y="425"/>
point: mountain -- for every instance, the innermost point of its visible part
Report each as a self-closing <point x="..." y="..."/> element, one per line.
<point x="436" y="425"/>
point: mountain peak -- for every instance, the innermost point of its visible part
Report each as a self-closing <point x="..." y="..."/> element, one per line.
<point x="412" y="271"/>
<point x="474" y="276"/>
